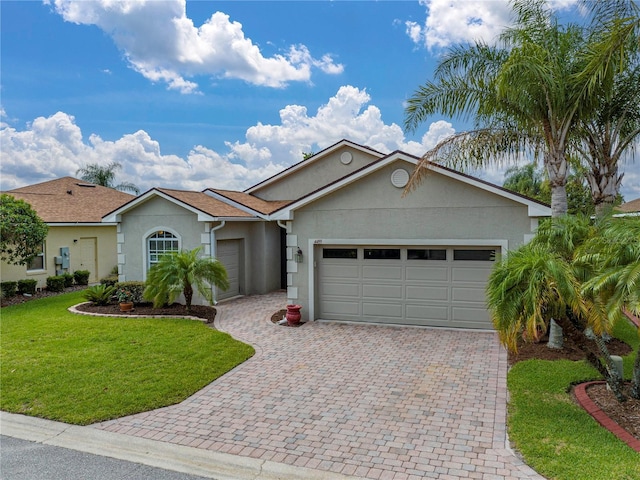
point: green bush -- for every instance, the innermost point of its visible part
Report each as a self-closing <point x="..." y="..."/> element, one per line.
<point x="8" y="289"/>
<point x="81" y="277"/>
<point x="109" y="280"/>
<point x="55" y="283"/>
<point x="99" y="294"/>
<point x="68" y="279"/>
<point x="27" y="286"/>
<point x="132" y="289"/>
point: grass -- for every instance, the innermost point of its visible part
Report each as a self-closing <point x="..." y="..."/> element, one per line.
<point x="556" y="436"/>
<point x="81" y="369"/>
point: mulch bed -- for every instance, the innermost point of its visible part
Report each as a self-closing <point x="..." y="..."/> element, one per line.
<point x="146" y="309"/>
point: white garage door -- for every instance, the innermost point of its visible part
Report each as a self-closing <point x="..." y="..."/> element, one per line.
<point x="228" y="253"/>
<point x="435" y="286"/>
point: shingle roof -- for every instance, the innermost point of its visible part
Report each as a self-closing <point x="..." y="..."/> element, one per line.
<point x="205" y="203"/>
<point x="630" y="207"/>
<point x="69" y="200"/>
<point x="252" y="202"/>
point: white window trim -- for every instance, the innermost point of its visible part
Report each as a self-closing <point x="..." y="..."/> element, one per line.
<point x="145" y="246"/>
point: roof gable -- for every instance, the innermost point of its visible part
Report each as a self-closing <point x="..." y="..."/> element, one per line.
<point x="203" y="205"/>
<point x="70" y="200"/>
<point x="247" y="202"/>
<point x="535" y="208"/>
<point x="316" y="171"/>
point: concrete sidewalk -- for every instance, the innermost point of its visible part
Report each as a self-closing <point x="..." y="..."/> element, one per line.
<point x="188" y="460"/>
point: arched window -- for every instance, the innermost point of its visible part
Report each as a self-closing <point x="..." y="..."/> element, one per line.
<point x="158" y="244"/>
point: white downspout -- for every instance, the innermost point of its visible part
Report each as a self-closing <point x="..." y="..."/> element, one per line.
<point x="212" y="240"/>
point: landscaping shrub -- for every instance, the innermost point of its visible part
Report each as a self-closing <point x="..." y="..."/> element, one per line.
<point x="99" y="294"/>
<point x="55" y="283"/>
<point x="68" y="279"/>
<point x="109" y="280"/>
<point x="81" y="277"/>
<point x="132" y="289"/>
<point x="27" y="286"/>
<point x="8" y="289"/>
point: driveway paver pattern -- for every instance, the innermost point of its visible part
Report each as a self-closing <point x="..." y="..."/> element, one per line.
<point x="377" y="402"/>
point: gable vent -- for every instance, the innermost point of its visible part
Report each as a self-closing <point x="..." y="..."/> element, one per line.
<point x="399" y="178"/>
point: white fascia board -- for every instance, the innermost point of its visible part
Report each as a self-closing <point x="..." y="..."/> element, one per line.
<point x="81" y="224"/>
<point x="309" y="161"/>
<point x="234" y="204"/>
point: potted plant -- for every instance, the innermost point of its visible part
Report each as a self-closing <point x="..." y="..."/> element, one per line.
<point x="125" y="297"/>
<point x="293" y="314"/>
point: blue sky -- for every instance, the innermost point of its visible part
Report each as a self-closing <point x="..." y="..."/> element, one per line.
<point x="220" y="94"/>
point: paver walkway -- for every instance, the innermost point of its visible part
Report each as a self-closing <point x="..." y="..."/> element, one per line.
<point x="370" y="401"/>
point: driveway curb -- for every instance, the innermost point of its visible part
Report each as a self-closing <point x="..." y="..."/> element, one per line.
<point x="179" y="458"/>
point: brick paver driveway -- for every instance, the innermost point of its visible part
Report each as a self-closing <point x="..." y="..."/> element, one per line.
<point x="362" y="400"/>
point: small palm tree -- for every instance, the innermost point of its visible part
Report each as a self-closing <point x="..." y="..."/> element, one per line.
<point x="615" y="279"/>
<point x="549" y="278"/>
<point x="105" y="176"/>
<point x="180" y="272"/>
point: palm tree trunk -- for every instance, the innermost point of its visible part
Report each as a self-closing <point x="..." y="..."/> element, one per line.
<point x="188" y="296"/>
<point x="635" y="377"/>
<point x="613" y="378"/>
<point x="557" y="172"/>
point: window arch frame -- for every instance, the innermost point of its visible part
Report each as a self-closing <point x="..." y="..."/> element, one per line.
<point x="146" y="240"/>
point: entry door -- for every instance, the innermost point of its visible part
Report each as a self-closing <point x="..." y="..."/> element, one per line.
<point x="228" y="253"/>
<point x="88" y="257"/>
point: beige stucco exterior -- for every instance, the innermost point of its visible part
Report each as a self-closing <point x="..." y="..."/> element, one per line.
<point x="316" y="174"/>
<point x="81" y="240"/>
<point x="442" y="211"/>
<point x="260" y="271"/>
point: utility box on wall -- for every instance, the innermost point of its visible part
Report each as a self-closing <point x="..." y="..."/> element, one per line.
<point x="66" y="260"/>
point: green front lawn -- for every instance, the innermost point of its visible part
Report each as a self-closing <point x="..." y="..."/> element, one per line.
<point x="80" y="369"/>
<point x="555" y="435"/>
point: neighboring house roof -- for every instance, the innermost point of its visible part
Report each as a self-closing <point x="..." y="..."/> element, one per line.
<point x="205" y="206"/>
<point x="308" y="161"/>
<point x="630" y="207"/>
<point x="535" y="208"/>
<point x="69" y="200"/>
<point x="251" y="202"/>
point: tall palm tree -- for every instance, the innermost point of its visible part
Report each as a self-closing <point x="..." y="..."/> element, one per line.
<point x="105" y="176"/>
<point x="525" y="97"/>
<point x="179" y="272"/>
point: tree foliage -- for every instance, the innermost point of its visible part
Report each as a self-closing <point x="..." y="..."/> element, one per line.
<point x="105" y="176"/>
<point x="527" y="95"/>
<point x="179" y="272"/>
<point x="22" y="231"/>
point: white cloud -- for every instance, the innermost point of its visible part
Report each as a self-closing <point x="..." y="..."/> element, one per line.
<point x="54" y="146"/>
<point x="449" y="22"/>
<point x="163" y="44"/>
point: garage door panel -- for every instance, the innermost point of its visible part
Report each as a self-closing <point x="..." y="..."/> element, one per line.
<point x="341" y="271"/>
<point x="340" y="289"/>
<point x="382" y="291"/>
<point x="430" y="312"/>
<point x="228" y="253"/>
<point x="428" y="273"/>
<point x="382" y="272"/>
<point x="427" y="293"/>
<point x="381" y="310"/>
<point x="471" y="274"/>
<point x="335" y="307"/>
<point x="471" y="317"/>
<point x="469" y="294"/>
